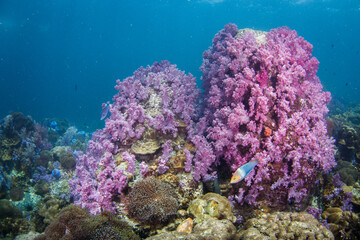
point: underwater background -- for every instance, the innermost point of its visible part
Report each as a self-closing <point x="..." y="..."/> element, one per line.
<point x="61" y="58"/>
<point x="179" y="119"/>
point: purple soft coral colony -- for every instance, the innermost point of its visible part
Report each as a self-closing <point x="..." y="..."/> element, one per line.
<point x="158" y="97"/>
<point x="264" y="101"/>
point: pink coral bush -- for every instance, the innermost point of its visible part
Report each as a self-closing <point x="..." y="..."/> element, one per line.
<point x="157" y="97"/>
<point x="264" y="101"/>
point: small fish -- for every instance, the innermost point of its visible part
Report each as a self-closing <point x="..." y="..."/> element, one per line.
<point x="54" y="125"/>
<point x="243" y="171"/>
<point x="56" y="173"/>
<point x="81" y="133"/>
<point x="105" y="110"/>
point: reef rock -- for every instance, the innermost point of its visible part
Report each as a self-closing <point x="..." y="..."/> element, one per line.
<point x="343" y="224"/>
<point x="186" y="226"/>
<point x="212" y="204"/>
<point x="214" y="229"/>
<point x="28" y="236"/>
<point x="284" y="225"/>
<point x="209" y="229"/>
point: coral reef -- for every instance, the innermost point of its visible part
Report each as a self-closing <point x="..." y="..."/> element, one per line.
<point x="185" y="226"/>
<point x="152" y="120"/>
<point x="343" y="224"/>
<point x="75" y="139"/>
<point x="213" y="219"/>
<point x="213" y="229"/>
<point x="264" y="101"/>
<point x="33" y="182"/>
<point x="152" y="201"/>
<point x="65" y="156"/>
<point x="55" y="127"/>
<point x="212" y="204"/>
<point x="176" y="235"/>
<point x="28" y="236"/>
<point x="209" y="229"/>
<point x="345" y="127"/>
<point x="348" y="172"/>
<point x="11" y="227"/>
<point x="21" y="143"/>
<point x="41" y="188"/>
<point x="284" y="225"/>
<point x="49" y="208"/>
<point x="11" y="221"/>
<point x="7" y="209"/>
<point x="44" y="158"/>
<point x="21" y="139"/>
<point x="16" y="193"/>
<point x="162" y="144"/>
<point x="5" y="182"/>
<point x="337" y="194"/>
<point x="75" y="223"/>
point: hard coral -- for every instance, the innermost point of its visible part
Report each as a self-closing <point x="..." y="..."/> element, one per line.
<point x="349" y="173"/>
<point x="22" y="122"/>
<point x="253" y="85"/>
<point x="343" y="224"/>
<point x="16" y="193"/>
<point x="212" y="204"/>
<point x="49" y="208"/>
<point x="12" y="227"/>
<point x="209" y="229"/>
<point x="68" y="225"/>
<point x="284" y="225"/>
<point x="346" y="129"/>
<point x="152" y="201"/>
<point x="106" y="226"/>
<point x="7" y="209"/>
<point x="75" y="223"/>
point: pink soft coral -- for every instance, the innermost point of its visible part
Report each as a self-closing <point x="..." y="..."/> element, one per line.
<point x="157" y="97"/>
<point x="251" y="86"/>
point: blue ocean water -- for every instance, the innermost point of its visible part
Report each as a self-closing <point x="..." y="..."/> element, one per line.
<point x="61" y="58"/>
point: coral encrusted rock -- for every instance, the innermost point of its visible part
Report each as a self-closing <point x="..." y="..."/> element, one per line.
<point x="285" y="225"/>
<point x="212" y="204"/>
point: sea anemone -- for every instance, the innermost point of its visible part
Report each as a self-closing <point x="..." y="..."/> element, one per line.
<point x="152" y="201"/>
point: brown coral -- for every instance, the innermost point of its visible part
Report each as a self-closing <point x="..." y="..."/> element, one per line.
<point x="75" y="223"/>
<point x="64" y="156"/>
<point x="143" y="147"/>
<point x="152" y="201"/>
<point x="213" y="205"/>
<point x="343" y="224"/>
<point x="209" y="229"/>
<point x="285" y="225"/>
<point x="49" y="208"/>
